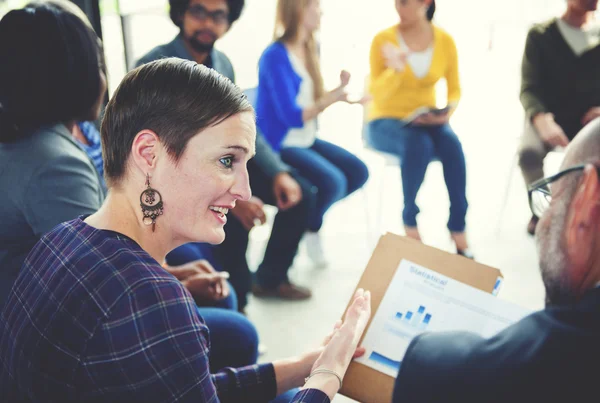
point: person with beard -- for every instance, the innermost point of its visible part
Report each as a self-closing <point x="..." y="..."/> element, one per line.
<point x="548" y="356"/>
<point x="202" y="23"/>
<point x="560" y="85"/>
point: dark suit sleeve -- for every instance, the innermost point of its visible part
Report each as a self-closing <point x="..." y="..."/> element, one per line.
<point x="433" y="366"/>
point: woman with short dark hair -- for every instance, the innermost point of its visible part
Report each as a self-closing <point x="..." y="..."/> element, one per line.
<point x="94" y="317"/>
<point x="50" y="78"/>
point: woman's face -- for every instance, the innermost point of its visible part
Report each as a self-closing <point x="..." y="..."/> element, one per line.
<point x="311" y="18"/>
<point x="411" y="11"/>
<point x="205" y="183"/>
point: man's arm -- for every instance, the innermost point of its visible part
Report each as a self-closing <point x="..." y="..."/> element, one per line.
<point x="267" y="159"/>
<point x="531" y="76"/>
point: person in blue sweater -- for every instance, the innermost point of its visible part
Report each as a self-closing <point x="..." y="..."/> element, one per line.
<point x="290" y="97"/>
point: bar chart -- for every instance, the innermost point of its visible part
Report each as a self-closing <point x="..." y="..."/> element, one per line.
<point x="383" y="360"/>
<point x="419" y="320"/>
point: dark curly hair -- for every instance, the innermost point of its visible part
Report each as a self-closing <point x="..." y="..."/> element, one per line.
<point x="178" y="8"/>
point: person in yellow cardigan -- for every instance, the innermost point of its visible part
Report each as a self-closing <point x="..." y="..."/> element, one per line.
<point x="407" y="60"/>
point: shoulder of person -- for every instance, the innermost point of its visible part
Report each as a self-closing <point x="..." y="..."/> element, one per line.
<point x="118" y="264"/>
<point x="50" y="144"/>
<point x="222" y="64"/>
<point x="156" y="53"/>
<point x="443" y="35"/>
<point x="275" y="51"/>
<point x="222" y="57"/>
<point x="389" y="34"/>
<point x="543" y="28"/>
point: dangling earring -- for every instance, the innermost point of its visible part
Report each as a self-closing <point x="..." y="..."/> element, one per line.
<point x="152" y="205"/>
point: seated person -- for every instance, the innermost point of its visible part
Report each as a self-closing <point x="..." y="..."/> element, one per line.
<point x="407" y="60"/>
<point x="52" y="163"/>
<point x="560" y="85"/>
<point x="290" y="98"/>
<point x="93" y="316"/>
<point x="45" y="177"/>
<point x="201" y="24"/>
<point x="548" y="356"/>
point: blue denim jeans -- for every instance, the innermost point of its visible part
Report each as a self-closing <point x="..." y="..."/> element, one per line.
<point x="416" y="147"/>
<point x="233" y="338"/>
<point x="335" y="172"/>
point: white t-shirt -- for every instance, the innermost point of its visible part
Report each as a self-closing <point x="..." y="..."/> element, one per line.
<point x="580" y="40"/>
<point x="304" y="136"/>
<point x="419" y="62"/>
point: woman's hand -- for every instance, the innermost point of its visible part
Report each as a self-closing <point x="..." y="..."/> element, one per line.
<point x="394" y="57"/>
<point x="432" y="119"/>
<point x="344" y="78"/>
<point x="342" y="345"/>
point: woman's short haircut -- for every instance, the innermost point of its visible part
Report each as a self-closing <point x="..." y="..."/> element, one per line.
<point x="179" y="7"/>
<point x="50" y="69"/>
<point x="174" y="98"/>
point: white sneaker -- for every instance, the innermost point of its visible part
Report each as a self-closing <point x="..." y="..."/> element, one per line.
<point x="314" y="248"/>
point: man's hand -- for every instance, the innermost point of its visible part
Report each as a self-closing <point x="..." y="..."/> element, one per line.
<point x="202" y="280"/>
<point x="250" y="213"/>
<point x="550" y="132"/>
<point x="590" y="115"/>
<point x="208" y="287"/>
<point x="286" y="190"/>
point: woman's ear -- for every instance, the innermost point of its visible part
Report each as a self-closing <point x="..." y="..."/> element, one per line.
<point x="144" y="150"/>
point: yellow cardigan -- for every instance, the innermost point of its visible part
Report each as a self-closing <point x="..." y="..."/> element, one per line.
<point x="398" y="94"/>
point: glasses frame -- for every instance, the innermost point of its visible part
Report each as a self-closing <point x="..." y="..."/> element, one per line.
<point x="542" y="184"/>
<point x="200" y="13"/>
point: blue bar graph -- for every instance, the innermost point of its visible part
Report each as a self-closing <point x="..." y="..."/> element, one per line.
<point x="382" y="359"/>
<point x="419" y="320"/>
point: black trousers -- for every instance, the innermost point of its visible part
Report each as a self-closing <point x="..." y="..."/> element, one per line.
<point x="288" y="228"/>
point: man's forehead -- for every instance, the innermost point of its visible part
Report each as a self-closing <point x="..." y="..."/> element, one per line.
<point x="211" y="5"/>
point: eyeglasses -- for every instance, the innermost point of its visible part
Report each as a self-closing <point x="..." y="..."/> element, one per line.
<point x="200" y="13"/>
<point x="540" y="195"/>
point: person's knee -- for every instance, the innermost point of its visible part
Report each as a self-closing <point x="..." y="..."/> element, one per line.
<point x="419" y="146"/>
<point x="246" y="338"/>
<point x="358" y="176"/>
<point x="530" y="158"/>
<point x="333" y="187"/>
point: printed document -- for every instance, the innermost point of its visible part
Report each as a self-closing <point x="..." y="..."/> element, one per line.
<point x="421" y="300"/>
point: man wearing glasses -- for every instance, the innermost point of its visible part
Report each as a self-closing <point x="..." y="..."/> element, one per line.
<point x="201" y="24"/>
<point x="550" y="355"/>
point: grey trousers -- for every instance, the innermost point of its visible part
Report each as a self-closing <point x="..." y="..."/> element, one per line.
<point x="532" y="152"/>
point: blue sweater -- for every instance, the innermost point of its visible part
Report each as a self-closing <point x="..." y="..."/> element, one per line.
<point x="278" y="86"/>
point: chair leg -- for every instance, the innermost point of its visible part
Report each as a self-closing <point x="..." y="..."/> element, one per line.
<point x="511" y="173"/>
<point x="367" y="213"/>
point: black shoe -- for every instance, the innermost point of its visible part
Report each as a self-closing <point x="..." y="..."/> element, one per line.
<point x="532" y="225"/>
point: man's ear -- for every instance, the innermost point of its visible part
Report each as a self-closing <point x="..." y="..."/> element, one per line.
<point x="581" y="226"/>
<point x="144" y="150"/>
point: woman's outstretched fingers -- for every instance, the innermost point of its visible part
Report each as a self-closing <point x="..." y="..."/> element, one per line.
<point x="360" y="351"/>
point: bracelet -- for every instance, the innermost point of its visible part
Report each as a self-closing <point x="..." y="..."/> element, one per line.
<point x="324" y="371"/>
